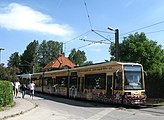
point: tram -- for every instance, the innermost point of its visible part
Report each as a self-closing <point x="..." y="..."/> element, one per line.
<point x="24" y="78"/>
<point x="108" y="82"/>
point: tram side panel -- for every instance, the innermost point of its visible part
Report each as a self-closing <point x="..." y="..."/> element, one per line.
<point x="47" y="83"/>
<point x="61" y="85"/>
<point x="104" y="84"/>
<point x="95" y="86"/>
<point x="38" y="85"/>
<point x="55" y="85"/>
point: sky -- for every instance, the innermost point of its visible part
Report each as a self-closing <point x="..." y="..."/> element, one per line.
<point x="76" y="23"/>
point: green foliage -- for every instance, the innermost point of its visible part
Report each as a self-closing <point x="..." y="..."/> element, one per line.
<point x="29" y="57"/>
<point x="8" y="73"/>
<point x="2" y="73"/>
<point x="47" y="52"/>
<point x="88" y="63"/>
<point x="112" y="51"/>
<point x="77" y="57"/>
<point x="71" y="55"/>
<point x="36" y="56"/>
<point x="14" y="60"/>
<point x="6" y="93"/>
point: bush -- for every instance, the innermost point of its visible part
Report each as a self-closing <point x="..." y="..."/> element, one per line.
<point x="6" y="93"/>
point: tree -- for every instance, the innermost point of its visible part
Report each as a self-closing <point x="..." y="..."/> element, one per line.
<point x="36" y="56"/>
<point x="71" y="55"/>
<point x="12" y="70"/>
<point x="112" y="51"/>
<point x="48" y="50"/>
<point x="14" y="60"/>
<point x="138" y="48"/>
<point x="29" y="57"/>
<point x="77" y="57"/>
<point x="8" y="73"/>
<point x="88" y="63"/>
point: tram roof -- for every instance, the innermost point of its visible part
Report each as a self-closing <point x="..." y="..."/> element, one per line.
<point x="92" y="65"/>
<point x="108" y="63"/>
<point x="25" y="76"/>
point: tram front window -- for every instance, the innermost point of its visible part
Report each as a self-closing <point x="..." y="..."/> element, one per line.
<point x="133" y="79"/>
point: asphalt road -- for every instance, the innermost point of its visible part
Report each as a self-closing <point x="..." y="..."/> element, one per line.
<point x="57" y="108"/>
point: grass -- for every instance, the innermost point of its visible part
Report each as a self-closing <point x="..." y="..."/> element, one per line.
<point x="2" y="108"/>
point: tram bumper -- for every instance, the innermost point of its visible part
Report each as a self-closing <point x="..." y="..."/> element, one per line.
<point x="135" y="99"/>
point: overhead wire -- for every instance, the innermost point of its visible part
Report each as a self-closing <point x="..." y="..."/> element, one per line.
<point x="81" y="47"/>
<point x="91" y="30"/>
<point x="93" y="41"/>
<point x="103" y="31"/>
<point x="97" y="31"/>
<point x="58" y="4"/>
<point x="94" y="31"/>
<point x="86" y="33"/>
<point x="155" y="31"/>
<point x="78" y="36"/>
<point x="88" y="14"/>
<point x="91" y="24"/>
<point x="85" y="45"/>
<point x="142" y="28"/>
<point x="102" y="36"/>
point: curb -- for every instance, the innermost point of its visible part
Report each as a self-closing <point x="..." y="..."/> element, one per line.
<point x="20" y="112"/>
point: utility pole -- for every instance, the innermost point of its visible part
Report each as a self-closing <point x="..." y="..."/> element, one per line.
<point x="116" y="43"/>
<point x="0" y="54"/>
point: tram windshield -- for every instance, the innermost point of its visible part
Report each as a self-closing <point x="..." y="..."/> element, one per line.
<point x="133" y="77"/>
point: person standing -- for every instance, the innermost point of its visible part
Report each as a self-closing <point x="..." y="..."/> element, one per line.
<point x="31" y="87"/>
<point x="16" y="86"/>
<point x="23" y="89"/>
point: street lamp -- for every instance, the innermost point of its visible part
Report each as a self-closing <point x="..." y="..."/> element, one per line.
<point x="0" y="54"/>
<point x="116" y="42"/>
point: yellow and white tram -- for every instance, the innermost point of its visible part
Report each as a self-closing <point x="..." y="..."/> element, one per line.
<point x="109" y="82"/>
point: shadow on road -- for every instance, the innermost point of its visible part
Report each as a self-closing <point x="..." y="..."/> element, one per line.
<point x="74" y="102"/>
<point x="86" y="103"/>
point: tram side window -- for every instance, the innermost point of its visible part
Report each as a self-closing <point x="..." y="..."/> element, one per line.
<point x="61" y="81"/>
<point x="89" y="82"/>
<point x="73" y="81"/>
<point x="45" y="82"/>
<point x="95" y="81"/>
<point x="118" y="81"/>
<point x="49" y="81"/>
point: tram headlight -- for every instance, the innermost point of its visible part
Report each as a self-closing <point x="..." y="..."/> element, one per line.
<point x="143" y="95"/>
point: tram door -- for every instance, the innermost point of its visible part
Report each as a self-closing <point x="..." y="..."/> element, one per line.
<point x="82" y="84"/>
<point x="109" y="86"/>
<point x="73" y="86"/>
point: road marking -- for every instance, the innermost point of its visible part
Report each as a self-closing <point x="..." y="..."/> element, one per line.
<point x="101" y="114"/>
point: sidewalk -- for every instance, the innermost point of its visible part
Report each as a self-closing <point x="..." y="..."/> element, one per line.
<point x="22" y="106"/>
